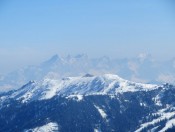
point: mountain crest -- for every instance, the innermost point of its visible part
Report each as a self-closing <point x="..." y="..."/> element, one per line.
<point x="106" y="84"/>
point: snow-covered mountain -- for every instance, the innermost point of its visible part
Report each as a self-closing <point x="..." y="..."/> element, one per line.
<point x="139" y="69"/>
<point x="107" y="84"/>
<point x="88" y="103"/>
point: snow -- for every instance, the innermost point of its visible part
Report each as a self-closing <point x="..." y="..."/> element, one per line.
<point x="157" y="99"/>
<point x="50" y="127"/>
<point x="101" y="111"/>
<point x="154" y="129"/>
<point x="76" y="88"/>
<point x="106" y="84"/>
<point x="143" y="104"/>
<point x="75" y="97"/>
<point x="51" y="90"/>
<point x="168" y="125"/>
<point x="162" y="116"/>
<point x="97" y="130"/>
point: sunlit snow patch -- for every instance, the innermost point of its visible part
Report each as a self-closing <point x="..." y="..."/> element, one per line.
<point x="101" y="111"/>
<point x="169" y="124"/>
<point x="163" y="115"/>
<point x="97" y="130"/>
<point x="75" y="97"/>
<point x="50" y="127"/>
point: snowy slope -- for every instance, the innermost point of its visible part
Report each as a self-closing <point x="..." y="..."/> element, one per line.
<point x="50" y="127"/>
<point x="88" y="103"/>
<point x="107" y="84"/>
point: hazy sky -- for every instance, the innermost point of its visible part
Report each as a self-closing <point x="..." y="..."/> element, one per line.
<point x="33" y="30"/>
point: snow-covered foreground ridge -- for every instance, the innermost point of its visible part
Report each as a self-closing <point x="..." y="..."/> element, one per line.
<point x="99" y="103"/>
<point x="107" y="84"/>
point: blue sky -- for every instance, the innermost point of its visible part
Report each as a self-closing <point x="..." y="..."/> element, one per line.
<point x="33" y="30"/>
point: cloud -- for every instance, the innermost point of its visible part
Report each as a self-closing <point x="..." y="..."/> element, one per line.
<point x="166" y="78"/>
<point x="133" y="67"/>
<point x="137" y="79"/>
<point x="6" y="88"/>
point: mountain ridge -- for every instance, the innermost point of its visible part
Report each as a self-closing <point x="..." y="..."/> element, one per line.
<point x="139" y="69"/>
<point x="107" y="84"/>
<point x="88" y="103"/>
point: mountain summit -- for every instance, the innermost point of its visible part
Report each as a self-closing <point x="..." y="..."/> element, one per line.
<point x="107" y="84"/>
<point x="139" y="69"/>
<point x="89" y="104"/>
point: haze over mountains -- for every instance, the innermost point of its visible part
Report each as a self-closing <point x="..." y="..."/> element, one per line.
<point x="142" y="68"/>
<point x="75" y="94"/>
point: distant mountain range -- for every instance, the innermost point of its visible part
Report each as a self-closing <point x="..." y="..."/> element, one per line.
<point x="88" y="103"/>
<point x="139" y="69"/>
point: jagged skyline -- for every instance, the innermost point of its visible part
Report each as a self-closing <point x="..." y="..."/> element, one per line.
<point x="32" y="31"/>
<point x="142" y="68"/>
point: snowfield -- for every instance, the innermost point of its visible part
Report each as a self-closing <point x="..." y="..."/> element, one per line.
<point x="50" y="127"/>
<point x="107" y="84"/>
